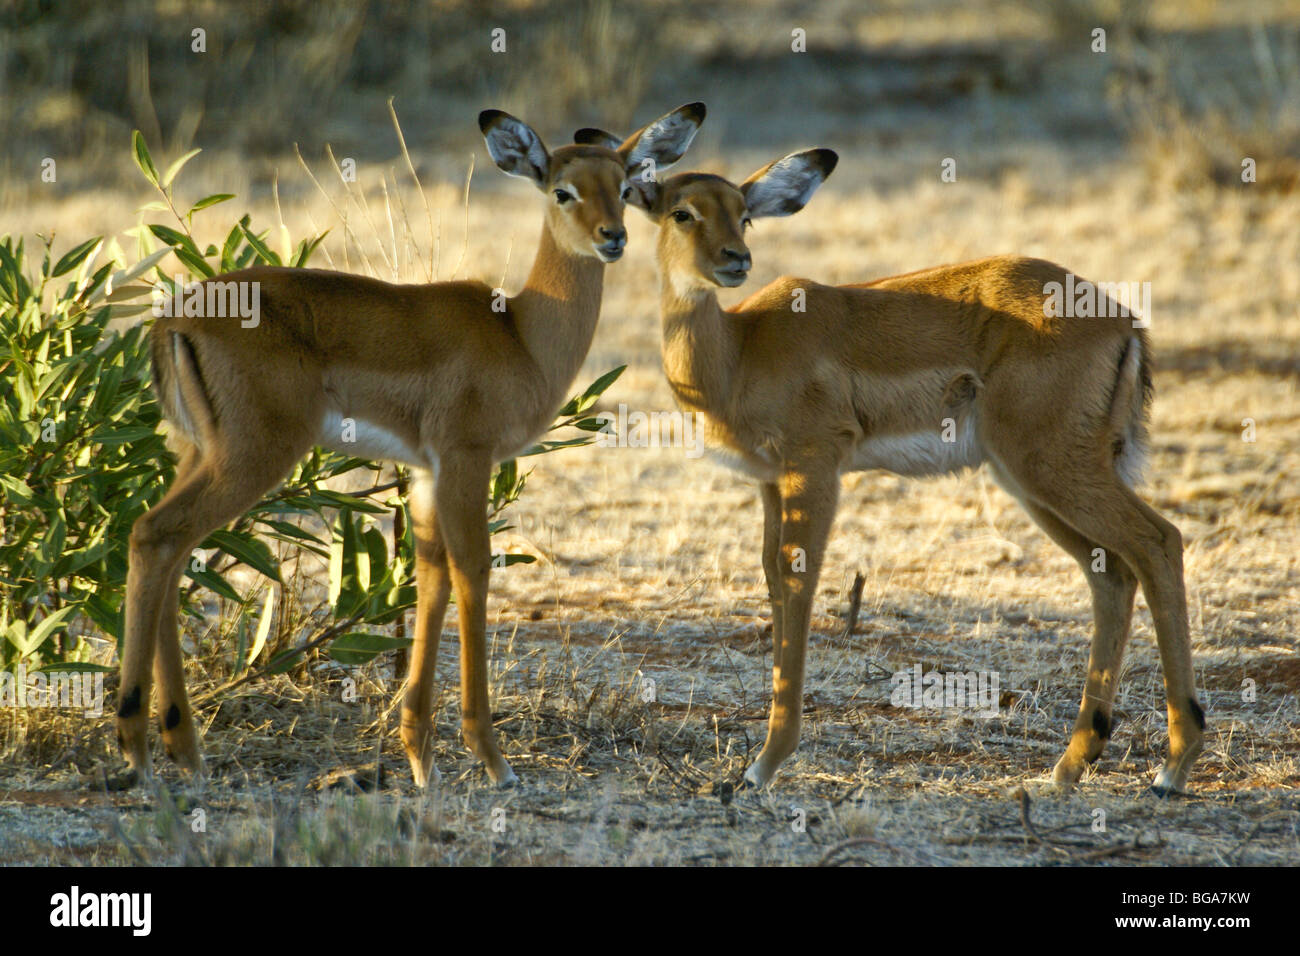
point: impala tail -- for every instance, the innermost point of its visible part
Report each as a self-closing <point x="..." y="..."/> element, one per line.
<point x="1129" y="411"/>
<point x="178" y="383"/>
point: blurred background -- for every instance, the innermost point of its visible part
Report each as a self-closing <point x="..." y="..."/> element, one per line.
<point x="1188" y="87"/>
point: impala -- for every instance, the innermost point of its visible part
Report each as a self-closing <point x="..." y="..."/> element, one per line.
<point x="920" y="374"/>
<point x="432" y="376"/>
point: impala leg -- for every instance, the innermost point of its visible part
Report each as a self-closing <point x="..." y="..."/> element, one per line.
<point x="433" y="584"/>
<point x="772" y="564"/>
<point x="175" y="719"/>
<point x="461" y="501"/>
<point x="1113" y="586"/>
<point x="1159" y="565"/>
<point x="204" y="497"/>
<point x="808" y="500"/>
<point x="1108" y="512"/>
<point x="150" y="596"/>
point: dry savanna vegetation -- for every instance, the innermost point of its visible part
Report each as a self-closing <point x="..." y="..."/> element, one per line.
<point x="631" y="659"/>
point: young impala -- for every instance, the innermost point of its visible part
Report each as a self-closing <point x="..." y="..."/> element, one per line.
<point x="429" y="375"/>
<point x="872" y="376"/>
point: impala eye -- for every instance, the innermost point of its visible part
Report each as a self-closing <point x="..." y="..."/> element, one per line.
<point x="746" y="223"/>
<point x="562" y="196"/>
<point x="681" y="215"/>
<point x="627" y="193"/>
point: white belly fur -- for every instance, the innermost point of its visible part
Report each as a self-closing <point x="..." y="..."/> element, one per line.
<point x="919" y="453"/>
<point x="371" y="441"/>
<point x="911" y="453"/>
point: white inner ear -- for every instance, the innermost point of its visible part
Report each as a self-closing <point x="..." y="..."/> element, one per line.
<point x="663" y="141"/>
<point x="790" y="183"/>
<point x="511" y="141"/>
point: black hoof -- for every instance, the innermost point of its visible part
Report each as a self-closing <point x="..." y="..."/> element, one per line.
<point x="1166" y="793"/>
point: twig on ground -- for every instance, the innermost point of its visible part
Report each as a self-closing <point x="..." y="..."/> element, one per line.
<point x="829" y="857"/>
<point x="855" y="605"/>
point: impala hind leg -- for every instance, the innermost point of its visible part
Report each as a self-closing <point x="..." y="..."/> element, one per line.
<point x="1104" y="510"/>
<point x="175" y="719"/>
<point x="433" y="585"/>
<point x="150" y="573"/>
<point x="1113" y="587"/>
<point x="203" y="497"/>
<point x="461" y="502"/>
<point x="808" y="498"/>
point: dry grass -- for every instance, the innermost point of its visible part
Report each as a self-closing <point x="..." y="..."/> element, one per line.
<point x="650" y="562"/>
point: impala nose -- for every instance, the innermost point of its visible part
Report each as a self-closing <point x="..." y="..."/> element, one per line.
<point x="615" y="239"/>
<point x="737" y="261"/>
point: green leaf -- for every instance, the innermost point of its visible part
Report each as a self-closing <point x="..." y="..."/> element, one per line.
<point x="175" y="167"/>
<point x="47" y="627"/>
<point x="338" y="557"/>
<point x="207" y="201"/>
<point x="376" y="548"/>
<point x="306" y="248"/>
<point x="74" y="258"/>
<point x="547" y="446"/>
<point x="263" y="627"/>
<point x="124" y="435"/>
<point x="215" y="583"/>
<point x="359" y="647"/>
<point x="142" y="157"/>
<point x="74" y="667"/>
<point x="245" y="548"/>
<point x="185" y="249"/>
<point x="263" y="251"/>
<point x="581" y="403"/>
<point x="289" y="530"/>
<point x="17" y="490"/>
<point x="283" y="661"/>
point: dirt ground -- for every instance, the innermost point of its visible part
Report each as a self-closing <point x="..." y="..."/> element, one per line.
<point x="648" y="581"/>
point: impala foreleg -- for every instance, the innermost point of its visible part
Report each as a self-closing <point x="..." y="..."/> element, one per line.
<point x="461" y="497"/>
<point x="433" y="583"/>
<point x="808" y="498"/>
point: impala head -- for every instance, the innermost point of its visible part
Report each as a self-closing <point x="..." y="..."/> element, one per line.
<point x="587" y="186"/>
<point x="702" y="218"/>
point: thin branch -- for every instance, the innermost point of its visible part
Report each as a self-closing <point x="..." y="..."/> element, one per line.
<point x="330" y="632"/>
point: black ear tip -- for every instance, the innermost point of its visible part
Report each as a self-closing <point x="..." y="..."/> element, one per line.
<point x="829" y="159"/>
<point x="695" y="111"/>
<point x="487" y="118"/>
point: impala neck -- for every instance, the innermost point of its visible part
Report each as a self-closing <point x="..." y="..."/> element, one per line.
<point x="701" y="347"/>
<point x="557" y="309"/>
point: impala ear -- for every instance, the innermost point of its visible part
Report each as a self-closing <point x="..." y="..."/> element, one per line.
<point x="654" y="148"/>
<point x="590" y="136"/>
<point x="664" y="141"/>
<point x="515" y="147"/>
<point x="784" y="187"/>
